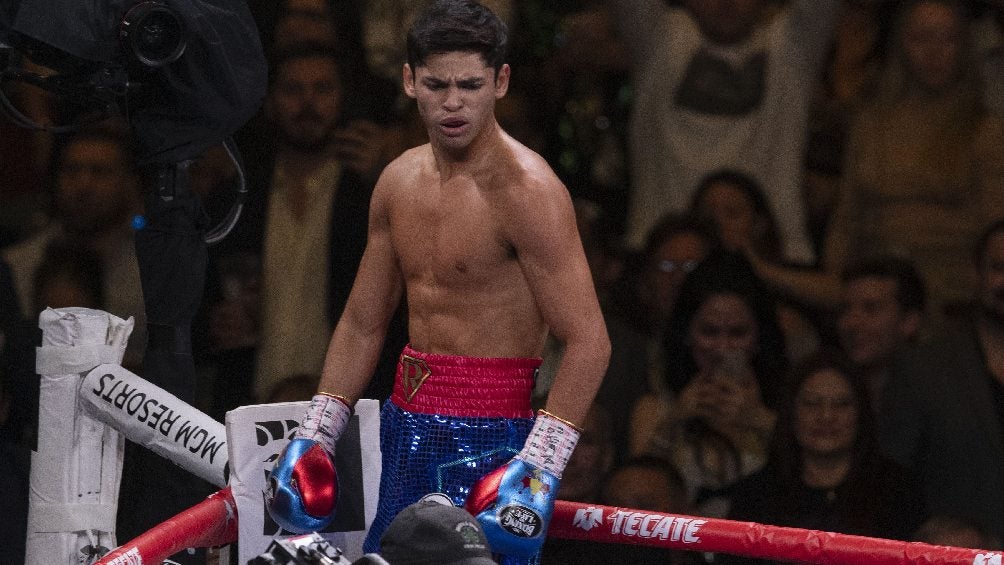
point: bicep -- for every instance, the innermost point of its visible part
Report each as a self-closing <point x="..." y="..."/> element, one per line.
<point x="554" y="264"/>
<point x="378" y="284"/>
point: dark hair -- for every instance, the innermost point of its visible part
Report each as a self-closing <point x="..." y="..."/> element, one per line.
<point x="726" y="272"/>
<point x="910" y="292"/>
<point x="458" y="25"/>
<point x="769" y="242"/>
<point x="785" y="456"/>
<point x="113" y="130"/>
<point x="626" y="298"/>
<point x="304" y="50"/>
<point x="983" y="241"/>
<point x="671" y="225"/>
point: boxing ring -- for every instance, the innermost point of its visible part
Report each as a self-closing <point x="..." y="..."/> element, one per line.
<point x="77" y="467"/>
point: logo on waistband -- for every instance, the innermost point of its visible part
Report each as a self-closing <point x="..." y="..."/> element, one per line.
<point x="413" y="373"/>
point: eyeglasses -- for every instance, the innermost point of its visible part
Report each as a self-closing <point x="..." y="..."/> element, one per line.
<point x="667" y="266"/>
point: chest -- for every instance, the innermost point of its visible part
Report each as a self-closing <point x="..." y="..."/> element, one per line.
<point x="455" y="234"/>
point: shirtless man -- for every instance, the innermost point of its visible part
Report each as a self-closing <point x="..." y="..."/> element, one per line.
<point x="479" y="235"/>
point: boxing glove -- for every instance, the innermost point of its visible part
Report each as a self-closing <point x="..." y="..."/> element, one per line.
<point x="303" y="485"/>
<point x="514" y="503"/>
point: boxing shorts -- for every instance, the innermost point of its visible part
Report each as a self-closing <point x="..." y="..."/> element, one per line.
<point x="450" y="420"/>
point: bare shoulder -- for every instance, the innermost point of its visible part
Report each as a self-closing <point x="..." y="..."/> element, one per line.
<point x="406" y="166"/>
<point x="539" y="207"/>
<point x="532" y="181"/>
<point x="402" y="172"/>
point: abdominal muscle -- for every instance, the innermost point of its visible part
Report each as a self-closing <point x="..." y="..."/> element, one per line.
<point x="493" y="322"/>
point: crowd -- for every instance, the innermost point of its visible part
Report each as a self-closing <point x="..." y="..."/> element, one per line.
<point x="793" y="211"/>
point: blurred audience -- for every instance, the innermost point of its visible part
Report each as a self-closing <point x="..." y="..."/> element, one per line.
<point x="717" y="84"/>
<point x="638" y="312"/>
<point x="302" y="235"/>
<point x="825" y="471"/>
<point x="924" y="169"/>
<point x="96" y="193"/>
<point x="942" y="414"/>
<point x="734" y="203"/>
<point x="724" y="368"/>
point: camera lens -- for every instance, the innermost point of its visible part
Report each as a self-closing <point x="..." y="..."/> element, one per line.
<point x="153" y="33"/>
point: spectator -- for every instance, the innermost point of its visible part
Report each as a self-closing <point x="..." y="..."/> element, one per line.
<point x="881" y="312"/>
<point x="993" y="66"/>
<point x="825" y="471"/>
<point x="722" y="84"/>
<point x="96" y="194"/>
<point x="294" y="388"/>
<point x="734" y="203"/>
<point x="724" y="363"/>
<point x="925" y="166"/>
<point x="942" y="415"/>
<point x="302" y="236"/>
<point x="638" y="312"/>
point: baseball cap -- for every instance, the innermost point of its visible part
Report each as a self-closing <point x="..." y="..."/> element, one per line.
<point x="431" y="533"/>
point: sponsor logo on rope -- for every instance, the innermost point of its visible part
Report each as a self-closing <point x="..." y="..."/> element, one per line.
<point x="131" y="557"/>
<point x="987" y="559"/>
<point x="647" y="526"/>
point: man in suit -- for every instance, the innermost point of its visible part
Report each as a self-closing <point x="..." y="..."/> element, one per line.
<point x="285" y="272"/>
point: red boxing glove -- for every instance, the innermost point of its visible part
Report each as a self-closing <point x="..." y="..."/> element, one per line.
<point x="303" y="485"/>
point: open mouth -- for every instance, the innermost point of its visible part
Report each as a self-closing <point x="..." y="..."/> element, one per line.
<point x="452" y="126"/>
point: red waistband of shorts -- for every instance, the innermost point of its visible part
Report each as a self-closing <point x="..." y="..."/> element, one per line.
<point x="466" y="387"/>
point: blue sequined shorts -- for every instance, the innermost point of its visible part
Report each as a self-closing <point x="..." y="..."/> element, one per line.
<point x="448" y="423"/>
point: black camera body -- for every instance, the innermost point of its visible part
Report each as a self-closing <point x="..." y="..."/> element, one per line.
<point x="190" y="72"/>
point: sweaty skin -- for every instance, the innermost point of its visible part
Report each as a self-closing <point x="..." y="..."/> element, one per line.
<point x="480" y="235"/>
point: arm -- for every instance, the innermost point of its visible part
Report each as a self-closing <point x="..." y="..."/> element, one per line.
<point x="542" y="229"/>
<point x="554" y="264"/>
<point x="358" y="337"/>
<point x="303" y="485"/>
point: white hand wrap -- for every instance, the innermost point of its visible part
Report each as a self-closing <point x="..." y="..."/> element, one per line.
<point x="324" y="421"/>
<point x="550" y="444"/>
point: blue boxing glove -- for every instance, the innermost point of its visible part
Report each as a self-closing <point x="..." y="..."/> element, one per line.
<point x="303" y="485"/>
<point x="514" y="503"/>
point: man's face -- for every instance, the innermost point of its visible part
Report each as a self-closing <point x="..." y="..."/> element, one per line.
<point x="726" y="21"/>
<point x="872" y="326"/>
<point x="456" y="94"/>
<point x="95" y="189"/>
<point x="932" y="44"/>
<point x="305" y="102"/>
<point x="992" y="278"/>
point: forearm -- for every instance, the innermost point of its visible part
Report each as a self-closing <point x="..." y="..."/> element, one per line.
<point x="580" y="373"/>
<point x="351" y="358"/>
<point x="818" y="288"/>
